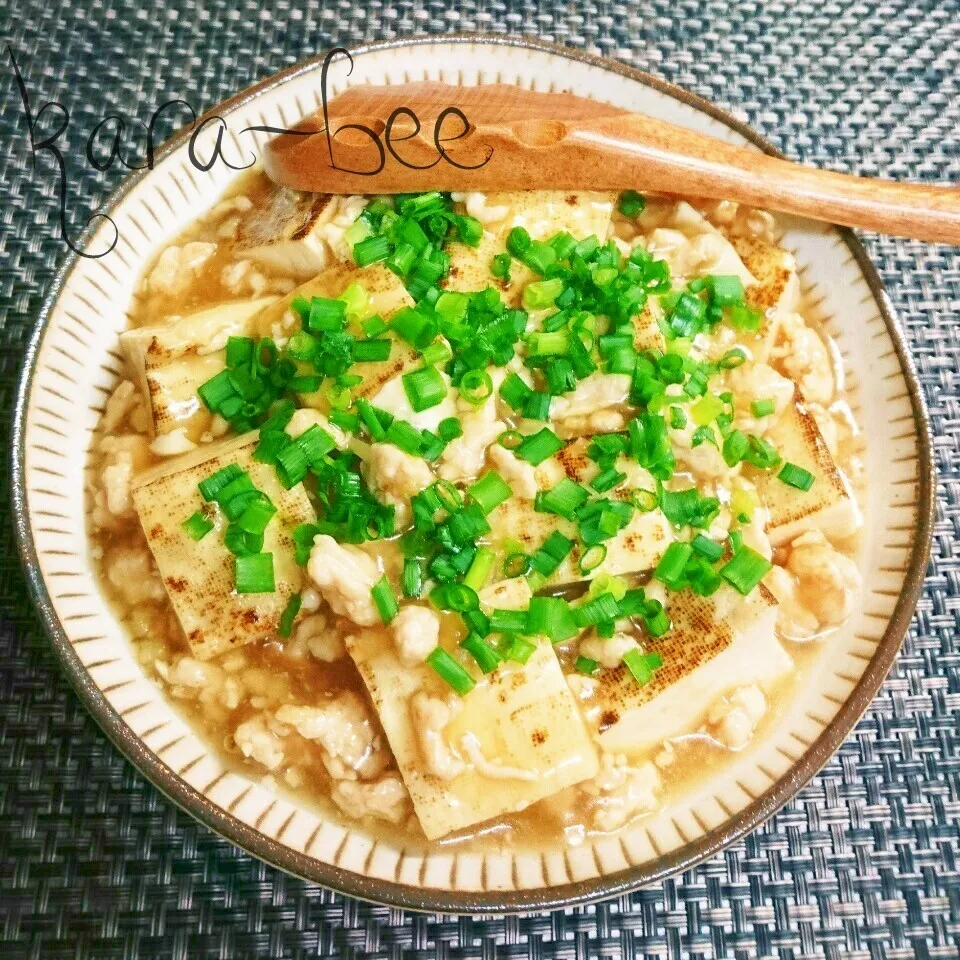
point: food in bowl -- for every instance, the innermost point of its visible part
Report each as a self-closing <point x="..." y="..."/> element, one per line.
<point x="478" y="519"/>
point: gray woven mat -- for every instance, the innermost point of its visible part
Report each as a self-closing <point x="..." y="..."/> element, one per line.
<point x="95" y="864"/>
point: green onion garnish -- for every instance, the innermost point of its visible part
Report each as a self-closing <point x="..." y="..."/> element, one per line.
<point x="550" y="617"/>
<point x="405" y="436"/>
<point x="538" y="296"/>
<point x="563" y="499"/>
<point x="487" y="658"/>
<point x="412" y="579"/>
<point x="384" y="599"/>
<point x="254" y="573"/>
<point x="517" y="649"/>
<point x="211" y="487"/>
<point x="508" y="621"/>
<point x="450" y="671"/>
<point x="476" y="386"/>
<point x="424" y="388"/>
<point x="593" y="557"/>
<point x="746" y="569"/>
<point x="449" y="429"/>
<point x="727" y="290"/>
<point x="762" y="408"/>
<point x="671" y="566"/>
<point x="480" y="568"/>
<point x="197" y="526"/>
<point x="371" y="250"/>
<point x="586" y="666"/>
<point x="706" y="547"/>
<point x="796" y="476"/>
<point x="538" y="447"/>
<point x="555" y="549"/>
<point x="290" y="611"/>
<point x="369" y="351"/>
<point x="256" y="514"/>
<point x="631" y="203"/>
<point x="490" y="491"/>
<point x="515" y="392"/>
<point x="642" y="665"/>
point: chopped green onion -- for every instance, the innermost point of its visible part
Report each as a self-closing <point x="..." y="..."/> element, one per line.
<point x="539" y="295"/>
<point x="563" y="499"/>
<point x="490" y="491"/>
<point x="706" y="547"/>
<point x="537" y="447"/>
<point x="476" y="386"/>
<point x="518" y="241"/>
<point x="254" y="573"/>
<point x="424" y="388"/>
<point x="548" y="344"/>
<point x="515" y="392"/>
<point x="384" y="599"/>
<point x="516" y="565"/>
<point x="746" y="569"/>
<point x="500" y="266"/>
<point x="510" y="439"/>
<point x="592" y="558"/>
<point x="555" y="549"/>
<point x="631" y="203"/>
<point x="211" y="488"/>
<point x="374" y="326"/>
<point x="242" y="543"/>
<point x="415" y="327"/>
<point x="607" y="480"/>
<point x="604" y="606"/>
<point x="290" y="611"/>
<point x="550" y="617"/>
<point x="508" y="621"/>
<point x="645" y="500"/>
<point x="436" y="354"/>
<point x="480" y="568"/>
<point x="457" y="597"/>
<point x="450" y="671"/>
<point x="412" y="578"/>
<point x="727" y="290"/>
<point x="256" y="515"/>
<point x="586" y="666"/>
<point x="537" y="406"/>
<point x="449" y="429"/>
<point x="517" y="649"/>
<point x="671" y="566"/>
<point x="642" y="666"/>
<point x="370" y="350"/>
<point x="762" y="408"/>
<point x="796" y="476"/>
<point x="487" y="658"/>
<point x="197" y="526"/>
<point x="405" y="436"/>
<point x="216" y="390"/>
<point x="368" y="415"/>
<point x="371" y="250"/>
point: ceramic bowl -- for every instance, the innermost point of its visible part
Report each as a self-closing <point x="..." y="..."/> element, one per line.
<point x="73" y="363"/>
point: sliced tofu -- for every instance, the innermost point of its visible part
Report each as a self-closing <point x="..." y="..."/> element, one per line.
<point x="519" y="732"/>
<point x="716" y="644"/>
<point x="542" y="213"/>
<point x="387" y="295"/>
<point x="286" y="233"/>
<point x="638" y="547"/>
<point x="199" y="575"/>
<point x="172" y="361"/>
<point x="829" y="505"/>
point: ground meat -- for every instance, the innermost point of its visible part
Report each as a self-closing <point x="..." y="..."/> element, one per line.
<point x="345" y="575"/>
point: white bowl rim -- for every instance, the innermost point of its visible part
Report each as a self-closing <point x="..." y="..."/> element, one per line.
<point x="480" y="902"/>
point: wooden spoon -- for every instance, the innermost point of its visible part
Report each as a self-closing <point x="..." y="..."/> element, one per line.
<point x="404" y="139"/>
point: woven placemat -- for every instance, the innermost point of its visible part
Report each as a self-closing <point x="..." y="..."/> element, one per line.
<point x="96" y="864"/>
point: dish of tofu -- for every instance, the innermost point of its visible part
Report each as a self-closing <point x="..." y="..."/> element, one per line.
<point x="486" y="521"/>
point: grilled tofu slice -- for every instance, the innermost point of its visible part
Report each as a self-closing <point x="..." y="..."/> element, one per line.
<point x="716" y="644"/>
<point x="519" y="733"/>
<point x="776" y="292"/>
<point x="199" y="575"/>
<point x="387" y="295"/>
<point x="171" y="362"/>
<point x="637" y="547"/>
<point x="829" y="505"/>
<point x="286" y="233"/>
<point x="543" y="213"/>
